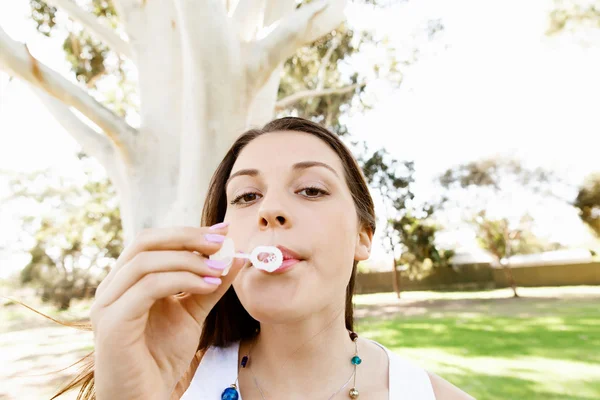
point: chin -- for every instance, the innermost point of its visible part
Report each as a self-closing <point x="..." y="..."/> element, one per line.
<point x="274" y="309"/>
<point x="274" y="315"/>
<point x="277" y="298"/>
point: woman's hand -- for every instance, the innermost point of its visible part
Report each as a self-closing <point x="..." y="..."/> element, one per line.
<point x="146" y="331"/>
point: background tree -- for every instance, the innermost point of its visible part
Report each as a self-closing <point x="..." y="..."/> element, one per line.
<point x="105" y="66"/>
<point x="496" y="173"/>
<point x="582" y="18"/>
<point x="476" y="186"/>
<point x="504" y="239"/>
<point x="409" y="230"/>
<point x="573" y="15"/>
<point x="222" y="67"/>
<point x="483" y="184"/>
<point x="417" y="231"/>
<point x="392" y="182"/>
<point x="205" y="72"/>
<point x="588" y="203"/>
<point x="76" y="233"/>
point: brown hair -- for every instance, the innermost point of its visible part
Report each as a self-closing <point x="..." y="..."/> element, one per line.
<point x="228" y="321"/>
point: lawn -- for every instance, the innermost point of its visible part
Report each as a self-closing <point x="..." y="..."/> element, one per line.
<point x="545" y="345"/>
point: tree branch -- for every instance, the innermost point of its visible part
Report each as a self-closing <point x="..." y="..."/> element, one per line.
<point x="93" y="143"/>
<point x="263" y="103"/>
<point x="293" y="31"/>
<point x="207" y="18"/>
<point x="335" y="43"/>
<point x="288" y="101"/>
<point x="277" y="9"/>
<point x="15" y="58"/>
<point x="90" y="22"/>
<point x="248" y="18"/>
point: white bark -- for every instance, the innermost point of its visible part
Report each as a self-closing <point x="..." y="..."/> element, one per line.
<point x="131" y="14"/>
<point x="204" y="77"/>
<point x="154" y="37"/>
<point x="93" y="143"/>
<point x="248" y="17"/>
<point x="19" y="62"/>
<point x="153" y="29"/>
<point x="215" y="100"/>
<point x="263" y="103"/>
<point x="293" y="31"/>
<point x="276" y="10"/>
<point x="89" y="21"/>
<point x="288" y="101"/>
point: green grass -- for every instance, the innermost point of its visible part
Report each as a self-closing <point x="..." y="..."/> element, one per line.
<point x="531" y="348"/>
<point x="545" y="345"/>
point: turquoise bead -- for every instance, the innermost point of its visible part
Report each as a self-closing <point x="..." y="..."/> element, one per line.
<point x="230" y="394"/>
<point x="356" y="360"/>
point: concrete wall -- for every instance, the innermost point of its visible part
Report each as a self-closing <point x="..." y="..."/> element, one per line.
<point x="483" y="276"/>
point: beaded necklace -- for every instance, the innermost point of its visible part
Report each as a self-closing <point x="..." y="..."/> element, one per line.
<point x="232" y="393"/>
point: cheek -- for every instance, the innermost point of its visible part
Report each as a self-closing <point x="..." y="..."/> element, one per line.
<point x="240" y="230"/>
<point x="338" y="239"/>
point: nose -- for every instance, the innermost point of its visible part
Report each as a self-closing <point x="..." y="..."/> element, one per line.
<point x="272" y="214"/>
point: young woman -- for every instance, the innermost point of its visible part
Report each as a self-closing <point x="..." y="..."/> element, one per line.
<point x="168" y="325"/>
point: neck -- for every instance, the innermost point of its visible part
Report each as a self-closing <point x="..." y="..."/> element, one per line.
<point x="286" y="356"/>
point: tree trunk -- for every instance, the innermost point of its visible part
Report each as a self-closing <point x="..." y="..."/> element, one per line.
<point x="395" y="277"/>
<point x="395" y="274"/>
<point x="510" y="279"/>
<point x="206" y="73"/>
<point x="399" y="283"/>
<point x="507" y="270"/>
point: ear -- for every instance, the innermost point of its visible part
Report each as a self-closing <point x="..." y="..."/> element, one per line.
<point x="363" y="244"/>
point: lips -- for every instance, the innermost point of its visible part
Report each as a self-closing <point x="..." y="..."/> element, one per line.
<point x="289" y="254"/>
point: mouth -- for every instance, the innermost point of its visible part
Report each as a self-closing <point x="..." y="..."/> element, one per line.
<point x="289" y="254"/>
<point x="290" y="258"/>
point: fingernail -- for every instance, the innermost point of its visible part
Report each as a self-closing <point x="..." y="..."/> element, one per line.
<point x="211" y="237"/>
<point x="219" y="226"/>
<point x="212" y="280"/>
<point x="216" y="264"/>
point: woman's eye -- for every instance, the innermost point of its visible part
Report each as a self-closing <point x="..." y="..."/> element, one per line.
<point x="312" y="192"/>
<point x="245" y="198"/>
<point x="250" y="197"/>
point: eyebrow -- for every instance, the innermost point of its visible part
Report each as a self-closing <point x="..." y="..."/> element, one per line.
<point x="296" y="167"/>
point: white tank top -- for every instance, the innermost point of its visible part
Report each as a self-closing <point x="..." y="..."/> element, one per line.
<point x="219" y="367"/>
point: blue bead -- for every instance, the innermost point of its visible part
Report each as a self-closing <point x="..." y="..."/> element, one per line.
<point x="230" y="394"/>
<point x="356" y="360"/>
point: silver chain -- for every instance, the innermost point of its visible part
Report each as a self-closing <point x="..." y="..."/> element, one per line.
<point x="262" y="395"/>
<point x="352" y="376"/>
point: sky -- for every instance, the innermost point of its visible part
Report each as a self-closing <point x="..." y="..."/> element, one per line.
<point x="492" y="83"/>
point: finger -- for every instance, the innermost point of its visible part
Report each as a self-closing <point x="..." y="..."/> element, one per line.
<point x="136" y="301"/>
<point x="150" y="262"/>
<point x="186" y="238"/>
<point x="200" y="305"/>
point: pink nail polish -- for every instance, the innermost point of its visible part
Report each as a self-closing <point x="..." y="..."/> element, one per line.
<point x="215" y="264"/>
<point x="214" y="238"/>
<point x="212" y="280"/>
<point x="220" y="225"/>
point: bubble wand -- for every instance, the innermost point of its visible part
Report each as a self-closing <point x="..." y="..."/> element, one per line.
<point x="266" y="258"/>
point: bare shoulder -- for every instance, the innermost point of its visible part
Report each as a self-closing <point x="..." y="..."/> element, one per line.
<point x="444" y="390"/>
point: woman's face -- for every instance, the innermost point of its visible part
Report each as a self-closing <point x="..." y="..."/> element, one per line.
<point x="289" y="189"/>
